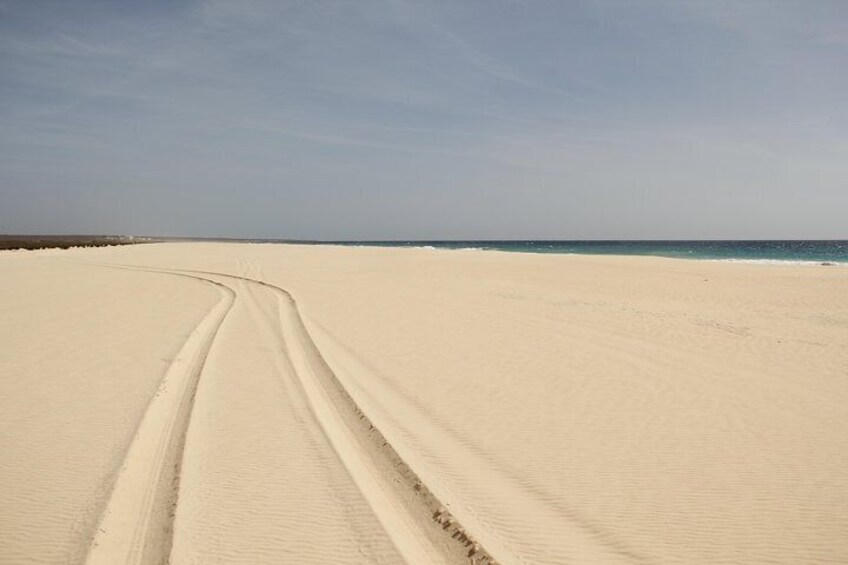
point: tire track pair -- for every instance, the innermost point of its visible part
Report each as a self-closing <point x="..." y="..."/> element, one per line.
<point x="136" y="526"/>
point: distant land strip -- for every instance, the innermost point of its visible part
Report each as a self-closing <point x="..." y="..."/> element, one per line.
<point x="29" y="242"/>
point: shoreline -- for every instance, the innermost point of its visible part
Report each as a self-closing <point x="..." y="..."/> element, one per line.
<point x="730" y="260"/>
<point x="447" y="246"/>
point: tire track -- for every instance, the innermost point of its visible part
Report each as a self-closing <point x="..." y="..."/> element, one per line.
<point x="135" y="526"/>
<point x="532" y="531"/>
<point x="418" y="523"/>
<point x="312" y="368"/>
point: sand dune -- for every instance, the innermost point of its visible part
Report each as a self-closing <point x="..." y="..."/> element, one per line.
<point x="335" y="405"/>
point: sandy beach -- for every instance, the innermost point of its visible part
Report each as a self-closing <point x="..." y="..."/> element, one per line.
<point x="265" y="403"/>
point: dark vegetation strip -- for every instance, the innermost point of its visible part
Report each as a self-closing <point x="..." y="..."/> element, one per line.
<point x="67" y="241"/>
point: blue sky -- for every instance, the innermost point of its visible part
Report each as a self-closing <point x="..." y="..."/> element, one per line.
<point x="398" y="120"/>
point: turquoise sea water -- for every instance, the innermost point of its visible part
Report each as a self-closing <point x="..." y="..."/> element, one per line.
<point x="755" y="251"/>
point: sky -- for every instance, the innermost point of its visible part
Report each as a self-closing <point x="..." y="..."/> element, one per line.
<point x="394" y="119"/>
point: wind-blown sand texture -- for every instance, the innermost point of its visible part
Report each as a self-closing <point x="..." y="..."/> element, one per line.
<point x="238" y="403"/>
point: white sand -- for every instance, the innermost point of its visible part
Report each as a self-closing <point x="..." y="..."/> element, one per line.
<point x="562" y="408"/>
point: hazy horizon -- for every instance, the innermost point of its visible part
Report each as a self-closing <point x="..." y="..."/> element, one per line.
<point x="400" y="120"/>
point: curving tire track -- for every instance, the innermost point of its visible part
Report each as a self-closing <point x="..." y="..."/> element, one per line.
<point x="418" y="523"/>
<point x="135" y="526"/>
<point x="135" y="529"/>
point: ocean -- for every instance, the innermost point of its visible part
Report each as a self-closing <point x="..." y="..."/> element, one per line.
<point x="757" y="251"/>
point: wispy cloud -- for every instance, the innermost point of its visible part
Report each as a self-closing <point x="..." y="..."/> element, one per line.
<point x="553" y="109"/>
